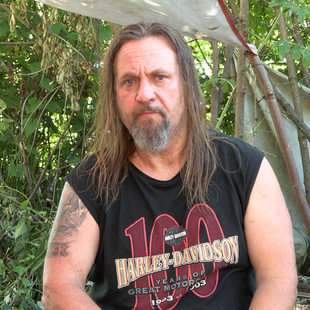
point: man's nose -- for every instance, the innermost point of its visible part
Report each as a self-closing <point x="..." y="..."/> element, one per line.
<point x="145" y="91"/>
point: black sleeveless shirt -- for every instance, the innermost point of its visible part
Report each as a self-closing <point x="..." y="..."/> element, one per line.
<point x="156" y="252"/>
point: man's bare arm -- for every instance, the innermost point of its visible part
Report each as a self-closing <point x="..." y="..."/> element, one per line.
<point x="269" y="237"/>
<point x="71" y="252"/>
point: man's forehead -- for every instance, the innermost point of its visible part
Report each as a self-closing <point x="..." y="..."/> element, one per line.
<point x="149" y="53"/>
<point x="150" y="45"/>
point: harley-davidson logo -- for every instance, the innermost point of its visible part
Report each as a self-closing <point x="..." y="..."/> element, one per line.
<point x="175" y="235"/>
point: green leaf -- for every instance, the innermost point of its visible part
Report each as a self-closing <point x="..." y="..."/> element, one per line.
<point x="31" y="127"/>
<point x="47" y="84"/>
<point x="5" y="303"/>
<point x="77" y="124"/>
<point x="20" y="171"/>
<point x="74" y="160"/>
<point x="19" y="269"/>
<point x="40" y="305"/>
<point x="73" y="36"/>
<point x="11" y="96"/>
<point x="225" y="87"/>
<point x="33" y="103"/>
<point x="86" y="53"/>
<point x="105" y="33"/>
<point x="53" y="107"/>
<point x="306" y="58"/>
<point x="26" y="282"/>
<point x="25" y="203"/>
<point x="2" y="105"/>
<point x="4" y="29"/>
<point x="296" y="53"/>
<point x="56" y="28"/>
<point x="302" y="14"/>
<point x="284" y="48"/>
<point x="306" y="62"/>
<point x="277" y="3"/>
<point x="21" y="228"/>
<point x="35" y="66"/>
<point x="5" y="123"/>
<point x="12" y="170"/>
<point x="2" y="269"/>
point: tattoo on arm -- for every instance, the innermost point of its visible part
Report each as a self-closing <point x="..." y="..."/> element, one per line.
<point x="72" y="214"/>
<point x="58" y="249"/>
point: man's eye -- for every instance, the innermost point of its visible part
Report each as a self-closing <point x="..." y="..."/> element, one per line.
<point x="160" y="77"/>
<point x="129" y="82"/>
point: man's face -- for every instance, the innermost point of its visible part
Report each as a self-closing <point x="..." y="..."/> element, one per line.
<point x="149" y="93"/>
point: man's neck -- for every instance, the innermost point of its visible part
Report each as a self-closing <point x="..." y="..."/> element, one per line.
<point x="163" y="166"/>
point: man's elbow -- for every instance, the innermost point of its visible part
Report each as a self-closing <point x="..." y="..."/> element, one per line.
<point x="47" y="299"/>
<point x="53" y="294"/>
<point x="295" y="285"/>
<point x="289" y="286"/>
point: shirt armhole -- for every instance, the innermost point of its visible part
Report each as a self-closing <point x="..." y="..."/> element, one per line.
<point x="84" y="190"/>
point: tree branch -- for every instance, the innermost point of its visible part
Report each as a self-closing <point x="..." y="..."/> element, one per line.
<point x="287" y="108"/>
<point x="17" y="43"/>
<point x="240" y="83"/>
<point x="50" y="157"/>
<point x="215" y="91"/>
<point x="297" y="34"/>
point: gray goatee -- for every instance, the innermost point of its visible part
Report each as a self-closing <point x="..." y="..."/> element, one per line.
<point x="151" y="139"/>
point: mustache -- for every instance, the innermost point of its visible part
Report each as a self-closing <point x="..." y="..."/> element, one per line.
<point x="149" y="108"/>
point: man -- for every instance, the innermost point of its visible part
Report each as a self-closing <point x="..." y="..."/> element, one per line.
<point x="165" y="213"/>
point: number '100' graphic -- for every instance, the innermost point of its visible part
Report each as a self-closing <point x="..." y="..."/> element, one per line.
<point x="200" y="214"/>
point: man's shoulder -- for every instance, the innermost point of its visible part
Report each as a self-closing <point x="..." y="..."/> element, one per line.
<point x="225" y="143"/>
<point x="234" y="154"/>
<point x="82" y="173"/>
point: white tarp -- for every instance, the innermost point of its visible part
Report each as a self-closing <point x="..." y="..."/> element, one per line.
<point x="260" y="131"/>
<point x="207" y="19"/>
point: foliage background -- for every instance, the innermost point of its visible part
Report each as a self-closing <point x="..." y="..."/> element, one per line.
<point x="49" y="66"/>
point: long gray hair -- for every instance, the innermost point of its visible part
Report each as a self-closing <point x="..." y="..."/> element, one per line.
<point x="113" y="144"/>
